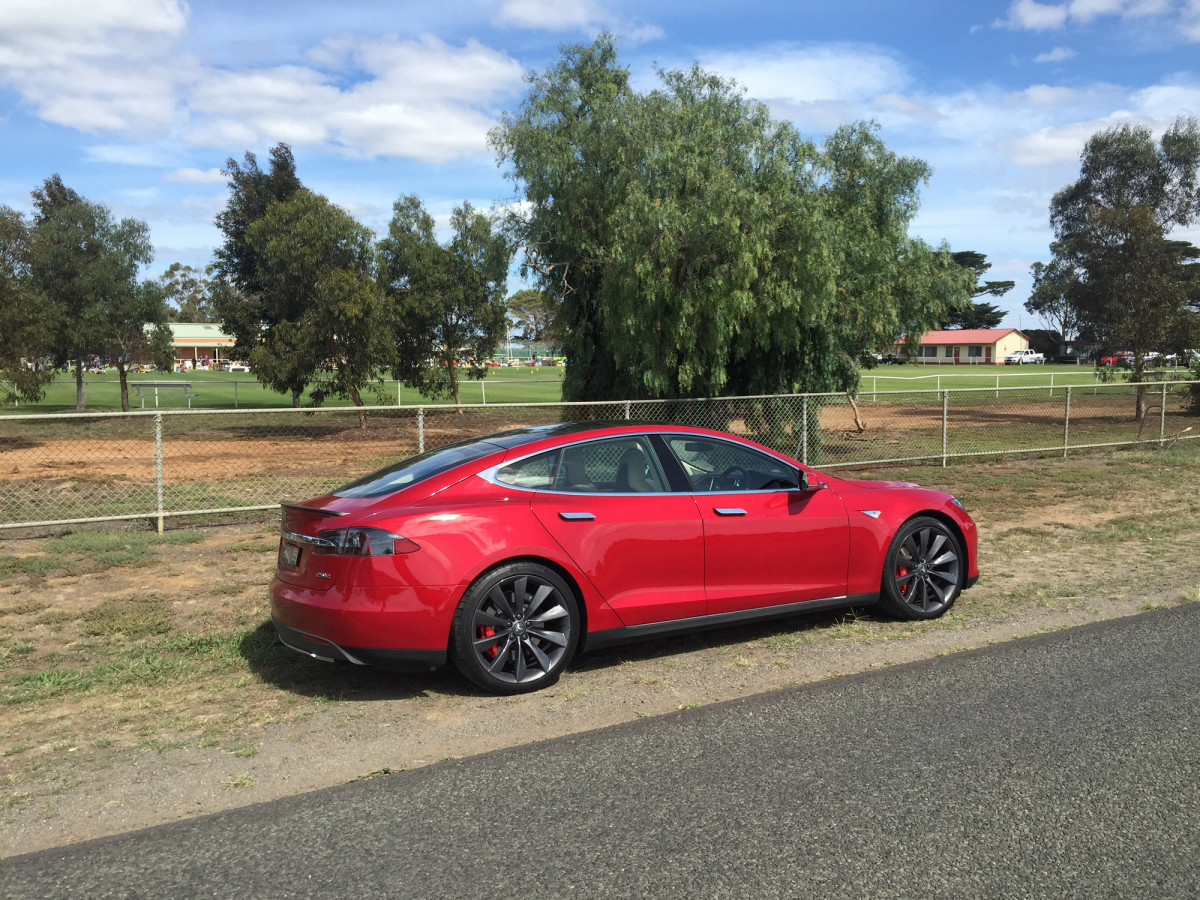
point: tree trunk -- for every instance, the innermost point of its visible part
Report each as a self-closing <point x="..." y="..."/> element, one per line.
<point x="79" y="395"/>
<point x="122" y="374"/>
<point x="454" y="390"/>
<point x="295" y="398"/>
<point x="1140" y="412"/>
<point x="358" y="401"/>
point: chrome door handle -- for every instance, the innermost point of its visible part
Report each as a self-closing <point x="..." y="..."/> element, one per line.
<point x="576" y="516"/>
<point x="728" y="511"/>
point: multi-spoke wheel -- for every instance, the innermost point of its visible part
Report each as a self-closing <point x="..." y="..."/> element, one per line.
<point x="924" y="570"/>
<point x="515" y="629"/>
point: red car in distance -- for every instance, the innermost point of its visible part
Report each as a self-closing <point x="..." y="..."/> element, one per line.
<point x="510" y="553"/>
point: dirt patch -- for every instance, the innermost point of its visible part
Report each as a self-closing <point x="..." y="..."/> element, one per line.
<point x="1055" y="552"/>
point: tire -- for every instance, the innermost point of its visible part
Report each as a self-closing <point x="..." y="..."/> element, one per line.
<point x="923" y="571"/>
<point x="515" y="629"/>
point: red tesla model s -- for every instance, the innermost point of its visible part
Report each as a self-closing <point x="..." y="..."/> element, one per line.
<point x="510" y="553"/>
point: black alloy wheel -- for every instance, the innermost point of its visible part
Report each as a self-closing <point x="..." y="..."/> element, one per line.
<point x="516" y="629"/>
<point x="923" y="571"/>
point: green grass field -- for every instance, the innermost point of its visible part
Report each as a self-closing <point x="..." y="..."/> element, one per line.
<point x="224" y="390"/>
<point x="525" y="384"/>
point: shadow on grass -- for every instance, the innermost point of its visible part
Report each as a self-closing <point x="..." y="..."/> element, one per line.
<point x="279" y="665"/>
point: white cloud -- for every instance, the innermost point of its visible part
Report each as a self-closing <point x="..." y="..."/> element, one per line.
<point x="838" y="72"/>
<point x="1029" y="15"/>
<point x="196" y="176"/>
<point x="114" y="66"/>
<point x="572" y="15"/>
<point x="1058" y="54"/>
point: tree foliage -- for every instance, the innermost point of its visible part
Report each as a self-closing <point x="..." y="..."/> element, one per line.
<point x="316" y="266"/>
<point x="535" y="313"/>
<point x="1129" y="282"/>
<point x="26" y="339"/>
<point x="188" y="291"/>
<point x="85" y="263"/>
<point x="447" y="301"/>
<point x="699" y="248"/>
<point x="1050" y="297"/>
<point x="972" y="313"/>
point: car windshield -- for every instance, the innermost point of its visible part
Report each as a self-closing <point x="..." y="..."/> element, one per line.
<point x="416" y="469"/>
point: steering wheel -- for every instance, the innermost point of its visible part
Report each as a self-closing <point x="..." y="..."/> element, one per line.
<point x="732" y="478"/>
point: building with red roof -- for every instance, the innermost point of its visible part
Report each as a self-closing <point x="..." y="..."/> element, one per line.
<point x="966" y="346"/>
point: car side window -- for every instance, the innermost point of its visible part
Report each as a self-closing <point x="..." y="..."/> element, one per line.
<point x="624" y="465"/>
<point x="536" y="472"/>
<point x="715" y="465"/>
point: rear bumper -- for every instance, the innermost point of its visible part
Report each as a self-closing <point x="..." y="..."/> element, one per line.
<point x="387" y="659"/>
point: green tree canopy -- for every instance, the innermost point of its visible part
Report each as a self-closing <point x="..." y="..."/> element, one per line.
<point x="317" y="265"/>
<point x="700" y="248"/>
<point x="1050" y="297"/>
<point x="1130" y="283"/>
<point x="448" y="301"/>
<point x="237" y="297"/>
<point x="972" y="313"/>
<point x="188" y="291"/>
<point x="535" y="314"/>
<point x="26" y="339"/>
<point x="86" y="265"/>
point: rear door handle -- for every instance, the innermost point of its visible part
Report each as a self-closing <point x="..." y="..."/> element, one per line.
<point x="728" y="511"/>
<point x="576" y="516"/>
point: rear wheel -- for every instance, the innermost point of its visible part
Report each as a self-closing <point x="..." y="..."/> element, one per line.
<point x="516" y="629"/>
<point x="924" y="570"/>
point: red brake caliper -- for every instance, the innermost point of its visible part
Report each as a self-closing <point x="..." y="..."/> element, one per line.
<point x="901" y="571"/>
<point x="487" y="631"/>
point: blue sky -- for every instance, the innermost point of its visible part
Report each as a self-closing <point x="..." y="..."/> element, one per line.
<point x="138" y="103"/>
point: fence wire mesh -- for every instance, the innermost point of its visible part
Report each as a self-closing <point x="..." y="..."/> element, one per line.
<point x="58" y="469"/>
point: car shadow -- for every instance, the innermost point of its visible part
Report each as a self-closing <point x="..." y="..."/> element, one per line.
<point x="288" y="670"/>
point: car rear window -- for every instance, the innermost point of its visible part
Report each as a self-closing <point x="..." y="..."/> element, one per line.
<point x="416" y="469"/>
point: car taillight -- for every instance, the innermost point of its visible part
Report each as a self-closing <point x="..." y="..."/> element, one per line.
<point x="361" y="542"/>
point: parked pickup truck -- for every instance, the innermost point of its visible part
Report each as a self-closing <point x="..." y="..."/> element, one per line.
<point x="1020" y="357"/>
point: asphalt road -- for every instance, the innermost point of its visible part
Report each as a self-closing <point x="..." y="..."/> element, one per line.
<point x="1066" y="765"/>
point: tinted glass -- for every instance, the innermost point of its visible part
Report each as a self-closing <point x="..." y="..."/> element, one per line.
<point x="536" y="472"/>
<point x="715" y="465"/>
<point x="416" y="469"/>
<point x="624" y="465"/>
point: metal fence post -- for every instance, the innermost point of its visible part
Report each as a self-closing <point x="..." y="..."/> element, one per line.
<point x="945" y="417"/>
<point x="804" y="429"/>
<point x="1051" y="384"/>
<point x="420" y="429"/>
<point x="1067" y="423"/>
<point x="482" y="392"/>
<point x="1162" y="415"/>
<point x="158" y="479"/>
<point x="627" y="410"/>
<point x="235" y="406"/>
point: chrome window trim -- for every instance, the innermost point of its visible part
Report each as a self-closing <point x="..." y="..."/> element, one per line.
<point x="489" y="474"/>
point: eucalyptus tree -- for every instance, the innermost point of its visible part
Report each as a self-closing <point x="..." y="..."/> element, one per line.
<point x="447" y="300"/>
<point x="26" y="339"/>
<point x="1129" y="282"/>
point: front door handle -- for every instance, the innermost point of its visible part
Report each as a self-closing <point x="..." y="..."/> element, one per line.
<point x="576" y="516"/>
<point x="728" y="511"/>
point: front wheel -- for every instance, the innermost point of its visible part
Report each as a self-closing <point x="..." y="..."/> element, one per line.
<point x="516" y="629"/>
<point x="924" y="570"/>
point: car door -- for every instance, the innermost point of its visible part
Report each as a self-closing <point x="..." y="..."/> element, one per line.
<point x="642" y="547"/>
<point x="766" y="542"/>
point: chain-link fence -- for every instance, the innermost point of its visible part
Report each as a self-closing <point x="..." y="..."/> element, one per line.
<point x="67" y="468"/>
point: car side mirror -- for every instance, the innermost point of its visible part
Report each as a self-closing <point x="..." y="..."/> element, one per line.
<point x="803" y="480"/>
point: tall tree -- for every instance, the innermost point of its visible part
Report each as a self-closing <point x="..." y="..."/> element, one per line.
<point x="237" y="297"/>
<point x="700" y="248"/>
<point x="448" y="300"/>
<point x="535" y="314"/>
<point x="972" y="313"/>
<point x="1130" y="286"/>
<point x="188" y="292"/>
<point x="86" y="264"/>
<point x="1050" y="297"/>
<point x="26" y="338"/>
<point x="317" y="265"/>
